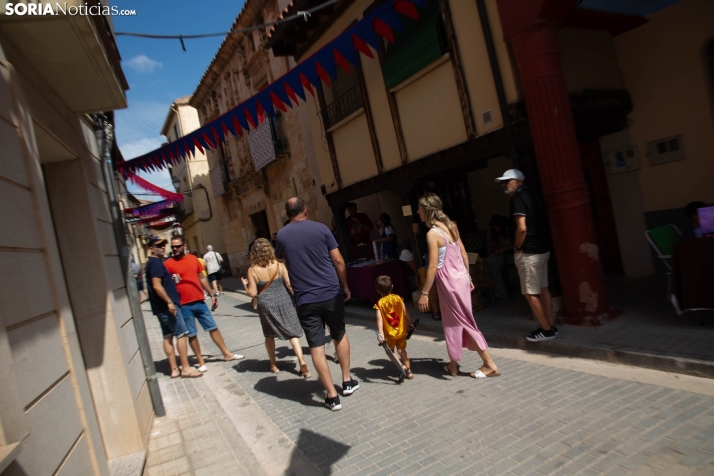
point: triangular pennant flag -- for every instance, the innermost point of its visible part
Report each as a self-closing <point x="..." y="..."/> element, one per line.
<point x="278" y="102"/>
<point x="362" y="46"/>
<point x="306" y="84"/>
<point x="217" y="136"/>
<point x="278" y="90"/>
<point x="250" y="119"/>
<point x="322" y="73"/>
<point x="406" y="8"/>
<point x="291" y="93"/>
<point x="238" y="126"/>
<point x="340" y="60"/>
<point x="294" y="82"/>
<point x="197" y="144"/>
<point x="383" y="29"/>
<point x="260" y="111"/>
<point x="394" y="21"/>
<point x="207" y="140"/>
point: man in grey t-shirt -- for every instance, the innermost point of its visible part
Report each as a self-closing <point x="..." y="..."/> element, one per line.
<point x="319" y="278"/>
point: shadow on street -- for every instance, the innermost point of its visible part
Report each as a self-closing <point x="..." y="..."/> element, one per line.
<point x="314" y="446"/>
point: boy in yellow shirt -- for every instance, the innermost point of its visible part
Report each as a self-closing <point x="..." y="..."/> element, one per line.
<point x="393" y="321"/>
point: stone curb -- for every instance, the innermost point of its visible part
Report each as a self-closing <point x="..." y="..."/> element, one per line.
<point x="665" y="363"/>
<point x="634" y="357"/>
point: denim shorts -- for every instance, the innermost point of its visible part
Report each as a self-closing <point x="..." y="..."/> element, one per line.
<point x="214" y="276"/>
<point x="173" y="325"/>
<point x="197" y="310"/>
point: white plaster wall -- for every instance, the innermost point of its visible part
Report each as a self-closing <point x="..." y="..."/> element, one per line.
<point x="629" y="210"/>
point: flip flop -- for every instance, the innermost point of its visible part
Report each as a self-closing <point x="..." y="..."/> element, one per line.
<point x="446" y="369"/>
<point x="479" y="374"/>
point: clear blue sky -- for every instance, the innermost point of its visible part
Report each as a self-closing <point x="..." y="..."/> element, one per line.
<point x="159" y="71"/>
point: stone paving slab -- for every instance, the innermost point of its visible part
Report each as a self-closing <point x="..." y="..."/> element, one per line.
<point x="195" y="437"/>
<point x="534" y="419"/>
<point x="647" y="334"/>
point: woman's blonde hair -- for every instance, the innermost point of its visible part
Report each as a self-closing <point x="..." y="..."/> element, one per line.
<point x="431" y="204"/>
<point x="262" y="253"/>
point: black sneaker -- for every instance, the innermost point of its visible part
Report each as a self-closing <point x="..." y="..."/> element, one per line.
<point x="333" y="403"/>
<point x="555" y="328"/>
<point x="348" y="388"/>
<point x="540" y="335"/>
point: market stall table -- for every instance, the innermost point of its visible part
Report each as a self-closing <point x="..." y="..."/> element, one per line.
<point x="361" y="277"/>
<point x="693" y="274"/>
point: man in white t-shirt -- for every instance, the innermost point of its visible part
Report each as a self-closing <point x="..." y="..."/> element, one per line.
<point x="213" y="262"/>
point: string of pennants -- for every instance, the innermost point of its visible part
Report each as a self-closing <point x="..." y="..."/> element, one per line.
<point x="150" y="210"/>
<point x="152" y="220"/>
<point x="150" y="187"/>
<point x="284" y="92"/>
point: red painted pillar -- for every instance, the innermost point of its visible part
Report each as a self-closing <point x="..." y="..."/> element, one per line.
<point x="531" y="26"/>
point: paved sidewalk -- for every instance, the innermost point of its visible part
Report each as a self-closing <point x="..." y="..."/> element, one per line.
<point x="647" y="334"/>
<point x="539" y="417"/>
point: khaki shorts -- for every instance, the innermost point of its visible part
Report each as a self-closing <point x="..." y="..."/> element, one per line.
<point x="533" y="271"/>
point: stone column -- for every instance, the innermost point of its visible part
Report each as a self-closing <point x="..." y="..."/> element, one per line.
<point x="531" y="26"/>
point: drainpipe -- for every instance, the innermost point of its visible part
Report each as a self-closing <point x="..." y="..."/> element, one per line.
<point x="104" y="132"/>
<point x="497" y="79"/>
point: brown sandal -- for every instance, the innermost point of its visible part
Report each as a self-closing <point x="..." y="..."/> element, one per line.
<point x="446" y="369"/>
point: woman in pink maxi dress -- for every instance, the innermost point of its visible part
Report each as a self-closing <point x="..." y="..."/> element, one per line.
<point x="448" y="265"/>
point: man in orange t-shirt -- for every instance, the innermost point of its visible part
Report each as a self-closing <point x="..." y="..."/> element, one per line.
<point x="187" y="273"/>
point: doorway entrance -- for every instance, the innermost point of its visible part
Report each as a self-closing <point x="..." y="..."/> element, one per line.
<point x="260" y="224"/>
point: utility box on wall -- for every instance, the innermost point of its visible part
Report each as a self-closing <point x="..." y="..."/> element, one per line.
<point x="622" y="160"/>
<point x="666" y="150"/>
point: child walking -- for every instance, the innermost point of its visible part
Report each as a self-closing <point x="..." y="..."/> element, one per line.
<point x="393" y="321"/>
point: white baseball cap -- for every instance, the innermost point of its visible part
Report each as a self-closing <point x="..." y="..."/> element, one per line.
<point x="511" y="174"/>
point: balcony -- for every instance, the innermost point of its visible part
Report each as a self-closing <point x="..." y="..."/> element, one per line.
<point x="343" y="106"/>
<point x="75" y="54"/>
<point x="267" y="142"/>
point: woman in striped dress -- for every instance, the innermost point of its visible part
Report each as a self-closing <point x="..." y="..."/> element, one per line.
<point x="269" y="280"/>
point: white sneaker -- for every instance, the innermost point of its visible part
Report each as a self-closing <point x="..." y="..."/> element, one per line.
<point x="202" y="369"/>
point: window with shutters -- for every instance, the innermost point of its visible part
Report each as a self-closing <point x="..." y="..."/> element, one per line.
<point x="422" y="43"/>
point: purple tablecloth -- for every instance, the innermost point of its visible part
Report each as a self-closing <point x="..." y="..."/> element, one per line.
<point x="693" y="274"/>
<point x="361" y="280"/>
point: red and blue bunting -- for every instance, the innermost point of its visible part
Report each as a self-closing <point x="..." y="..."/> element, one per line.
<point x="284" y="92"/>
<point x="151" y="209"/>
<point x="150" y="187"/>
<point x="160" y="218"/>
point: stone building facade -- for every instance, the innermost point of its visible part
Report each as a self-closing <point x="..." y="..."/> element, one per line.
<point x="200" y="225"/>
<point x="74" y="387"/>
<point x="254" y="174"/>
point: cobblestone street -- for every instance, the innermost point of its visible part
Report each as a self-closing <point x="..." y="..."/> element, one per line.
<point x="545" y="414"/>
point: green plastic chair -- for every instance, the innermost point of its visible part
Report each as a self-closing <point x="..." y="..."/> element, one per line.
<point x="662" y="240"/>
